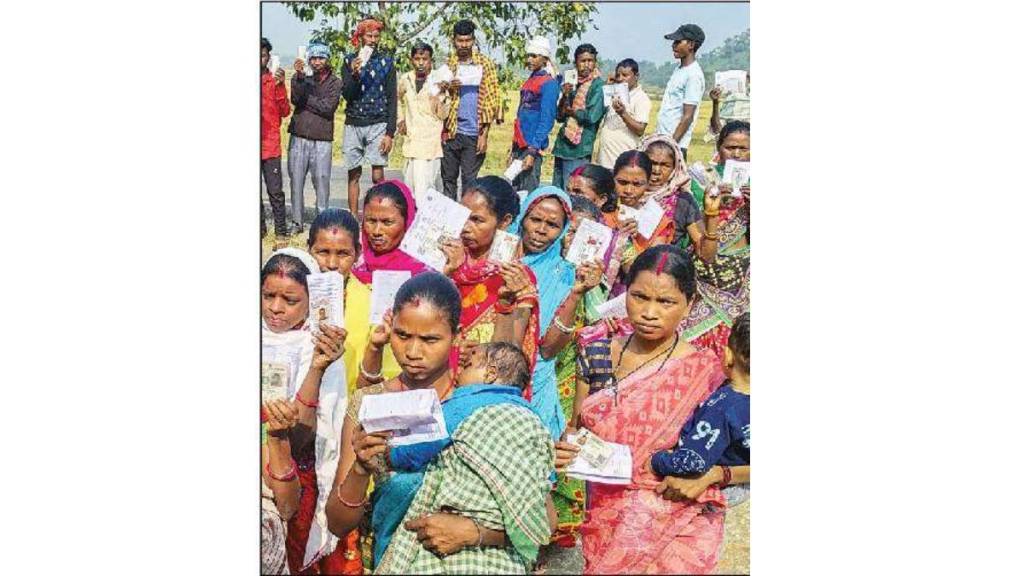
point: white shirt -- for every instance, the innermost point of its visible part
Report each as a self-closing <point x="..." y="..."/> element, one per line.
<point x="686" y="86"/>
<point x="615" y="137"/>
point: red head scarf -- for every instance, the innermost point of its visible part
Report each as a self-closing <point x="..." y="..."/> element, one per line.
<point x="363" y="27"/>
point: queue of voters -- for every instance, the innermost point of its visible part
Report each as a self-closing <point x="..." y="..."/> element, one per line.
<point x="472" y="373"/>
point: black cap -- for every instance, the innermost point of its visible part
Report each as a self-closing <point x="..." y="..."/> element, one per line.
<point x="687" y="32"/>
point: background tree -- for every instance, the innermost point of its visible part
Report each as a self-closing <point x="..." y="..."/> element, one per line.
<point x="503" y="28"/>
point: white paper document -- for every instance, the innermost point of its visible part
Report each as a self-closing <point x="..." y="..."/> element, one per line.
<point x="275" y="63"/>
<point x="437" y="217"/>
<point x="614" y="308"/>
<point x="514" y="169"/>
<point x="627" y="212"/>
<point x="302" y="56"/>
<point x="590" y="243"/>
<point x="648" y="217"/>
<point x="274" y="379"/>
<point x="620" y="89"/>
<point x="737" y="174"/>
<point x="414" y="416"/>
<point x="436" y="77"/>
<point x="732" y="81"/>
<point x="326" y="300"/>
<point x="617" y="467"/>
<point x="286" y="358"/>
<point x="570" y="76"/>
<point x="383" y="288"/>
<point x="365" y="53"/>
<point x="470" y="74"/>
<point x="503" y="247"/>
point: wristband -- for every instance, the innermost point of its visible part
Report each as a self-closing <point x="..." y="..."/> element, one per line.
<point x="562" y="327"/>
<point x="367" y="375"/>
<point x="726" y="476"/>
<point x="479" y="532"/>
<point x="503" y="308"/>
<point x="312" y="404"/>
<point x="350" y="504"/>
<point x="288" y="476"/>
<point x="711" y="214"/>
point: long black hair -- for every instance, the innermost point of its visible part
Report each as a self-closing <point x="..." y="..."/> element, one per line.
<point x="438" y="290"/>
<point x="666" y="258"/>
<point x="603" y="182"/>
<point x="733" y="127"/>
<point x="500" y="196"/>
<point x="632" y="158"/>
<point x="331" y="218"/>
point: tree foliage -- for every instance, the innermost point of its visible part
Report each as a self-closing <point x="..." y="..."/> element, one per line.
<point x="503" y="27"/>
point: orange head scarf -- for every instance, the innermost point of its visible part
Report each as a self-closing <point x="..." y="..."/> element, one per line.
<point x="367" y="25"/>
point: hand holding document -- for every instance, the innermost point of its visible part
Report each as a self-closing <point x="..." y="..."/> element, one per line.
<point x="618" y="90"/>
<point x="590" y="243"/>
<point x="365" y="53"/>
<point x="599" y="460"/>
<point x="274" y="379"/>
<point x="503" y="247"/>
<point x="437" y="217"/>
<point x="470" y="74"/>
<point x="275" y="63"/>
<point x="734" y="81"/>
<point x="414" y="416"/>
<point x="737" y="175"/>
<point x="614" y="308"/>
<point x="513" y="170"/>
<point x="570" y="76"/>
<point x="326" y="300"/>
<point x="305" y="61"/>
<point x="383" y="288"/>
<point x="648" y="218"/>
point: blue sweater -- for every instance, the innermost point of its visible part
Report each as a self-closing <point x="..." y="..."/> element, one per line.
<point x="538" y="100"/>
<point x="718" y="433"/>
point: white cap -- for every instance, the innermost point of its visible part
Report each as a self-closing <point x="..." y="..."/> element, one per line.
<point x="539" y="45"/>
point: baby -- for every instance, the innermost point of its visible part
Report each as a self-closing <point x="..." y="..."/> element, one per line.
<point x="719" y="431"/>
<point x="497" y="373"/>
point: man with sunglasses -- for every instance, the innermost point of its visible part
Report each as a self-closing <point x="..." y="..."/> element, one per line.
<point x="685" y="89"/>
<point x="538" y="100"/>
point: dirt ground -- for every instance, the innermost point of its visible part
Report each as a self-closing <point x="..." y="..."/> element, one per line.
<point x="735" y="557"/>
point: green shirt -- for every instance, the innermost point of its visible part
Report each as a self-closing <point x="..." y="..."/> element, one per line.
<point x="589" y="119"/>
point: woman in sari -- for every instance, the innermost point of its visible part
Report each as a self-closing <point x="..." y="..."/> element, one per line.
<point x="490" y="290"/>
<point x="670" y="186"/>
<point x="421" y="328"/>
<point x="388" y="211"/>
<point x="279" y="484"/>
<point x="334" y="244"/>
<point x="639" y="391"/>
<point x="315" y="387"/>
<point x="723" y="247"/>
<point x="542" y="225"/>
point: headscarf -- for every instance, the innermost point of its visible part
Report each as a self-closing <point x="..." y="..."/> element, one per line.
<point x="318" y="50"/>
<point x="395" y="259"/>
<point x="679" y="177"/>
<point x="296" y="347"/>
<point x="555" y="277"/>
<point x="367" y="25"/>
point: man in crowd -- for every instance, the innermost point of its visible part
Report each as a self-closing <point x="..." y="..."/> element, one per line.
<point x="316" y="97"/>
<point x="538" y="100"/>
<point x="371" y="114"/>
<point x="734" y="106"/>
<point x="625" y="124"/>
<point x="472" y="110"/>
<point x="421" y="114"/>
<point x="685" y="89"/>
<point x="581" y="110"/>
<point x="273" y="108"/>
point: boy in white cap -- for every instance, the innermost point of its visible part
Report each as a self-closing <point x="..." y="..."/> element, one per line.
<point x="538" y="101"/>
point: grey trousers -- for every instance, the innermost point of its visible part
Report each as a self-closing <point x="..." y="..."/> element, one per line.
<point x="313" y="156"/>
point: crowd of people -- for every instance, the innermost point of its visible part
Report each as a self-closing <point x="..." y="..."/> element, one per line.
<point x="521" y="354"/>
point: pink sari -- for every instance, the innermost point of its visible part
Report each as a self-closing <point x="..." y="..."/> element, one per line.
<point x="631" y="529"/>
<point x="396" y="259"/>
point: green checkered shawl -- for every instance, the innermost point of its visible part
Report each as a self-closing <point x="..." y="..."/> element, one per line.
<point x="496" y="472"/>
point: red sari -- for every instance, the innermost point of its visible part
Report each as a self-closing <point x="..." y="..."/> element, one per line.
<point x="478" y="286"/>
<point x="631" y="529"/>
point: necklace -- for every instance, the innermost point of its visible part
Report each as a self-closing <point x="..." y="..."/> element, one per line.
<point x="615" y="387"/>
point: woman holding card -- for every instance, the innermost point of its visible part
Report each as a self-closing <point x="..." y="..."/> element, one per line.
<point x="542" y="226"/>
<point x="723" y="256"/>
<point x="422" y="328"/>
<point x="670" y="187"/>
<point x="492" y="289"/>
<point x="639" y="391"/>
<point x="316" y="389"/>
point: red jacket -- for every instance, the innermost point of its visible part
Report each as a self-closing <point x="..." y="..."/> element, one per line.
<point x="273" y="107"/>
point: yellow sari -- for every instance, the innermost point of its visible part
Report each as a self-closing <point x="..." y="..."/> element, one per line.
<point x="357" y="323"/>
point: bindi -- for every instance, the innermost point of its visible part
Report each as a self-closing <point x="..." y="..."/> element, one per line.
<point x="335" y="231"/>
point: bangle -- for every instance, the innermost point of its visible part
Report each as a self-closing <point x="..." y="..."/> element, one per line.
<point x="726" y="476"/>
<point x="350" y="504"/>
<point x="502" y="308"/>
<point x="712" y="237"/>
<point x="312" y="404"/>
<point x="288" y="476"/>
<point x="479" y="532"/>
<point x="562" y="327"/>
<point x="362" y="370"/>
<point x="711" y="214"/>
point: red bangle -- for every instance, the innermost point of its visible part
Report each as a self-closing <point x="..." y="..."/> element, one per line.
<point x="312" y="404"/>
<point x="288" y="476"/>
<point x="502" y="308"/>
<point x="726" y="476"/>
